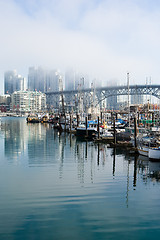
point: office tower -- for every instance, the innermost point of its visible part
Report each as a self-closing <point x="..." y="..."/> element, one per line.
<point x="75" y="80"/>
<point x="53" y="81"/>
<point x="13" y="82"/>
<point x="36" y="79"/>
<point x="69" y="80"/>
<point x="40" y="79"/>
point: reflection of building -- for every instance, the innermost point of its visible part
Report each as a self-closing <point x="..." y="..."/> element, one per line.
<point x="28" y="101"/>
<point x="34" y="141"/>
<point x="40" y="79"/>
<point x="13" y="82"/>
<point x="14" y="137"/>
<point x="42" y="147"/>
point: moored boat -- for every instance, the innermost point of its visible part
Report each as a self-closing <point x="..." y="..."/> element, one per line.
<point x="149" y="146"/>
<point x="154" y="153"/>
<point x="33" y="118"/>
<point x="90" y="132"/>
<point x="144" y="144"/>
<point x="83" y="132"/>
<point x="44" y="119"/>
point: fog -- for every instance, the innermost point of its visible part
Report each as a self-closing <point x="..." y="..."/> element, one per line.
<point x="104" y="39"/>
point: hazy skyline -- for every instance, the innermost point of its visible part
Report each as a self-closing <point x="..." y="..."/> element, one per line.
<point x="105" y="38"/>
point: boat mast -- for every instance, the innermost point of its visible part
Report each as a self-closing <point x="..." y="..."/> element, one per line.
<point x="128" y="99"/>
<point x="62" y="97"/>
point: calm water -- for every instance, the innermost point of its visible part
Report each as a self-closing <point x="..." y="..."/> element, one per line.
<point x="55" y="187"/>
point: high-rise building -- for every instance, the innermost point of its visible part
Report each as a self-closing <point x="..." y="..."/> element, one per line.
<point x="36" y="79"/>
<point x="53" y="81"/>
<point x="69" y="80"/>
<point x="40" y="79"/>
<point x="9" y="77"/>
<point x="75" y="80"/>
<point x="13" y="82"/>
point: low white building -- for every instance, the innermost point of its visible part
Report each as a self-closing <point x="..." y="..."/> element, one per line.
<point x="28" y="101"/>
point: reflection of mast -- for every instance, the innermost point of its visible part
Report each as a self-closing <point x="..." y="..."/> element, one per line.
<point x="92" y="163"/>
<point x="135" y="172"/>
<point x="127" y="184"/>
<point x="86" y="150"/>
<point x="61" y="154"/>
<point x="114" y="158"/>
<point x="80" y="156"/>
<point x="98" y="156"/>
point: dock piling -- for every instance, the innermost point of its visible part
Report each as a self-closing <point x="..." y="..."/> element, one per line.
<point x="114" y="130"/>
<point x="135" y="132"/>
<point x="77" y="120"/>
<point x="70" y="122"/>
<point x="86" y="127"/>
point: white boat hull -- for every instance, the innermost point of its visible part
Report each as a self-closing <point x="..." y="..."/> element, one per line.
<point x="143" y="151"/>
<point x="154" y="153"/>
<point x="65" y="127"/>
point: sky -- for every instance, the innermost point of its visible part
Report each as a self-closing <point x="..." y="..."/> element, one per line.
<point x="102" y="38"/>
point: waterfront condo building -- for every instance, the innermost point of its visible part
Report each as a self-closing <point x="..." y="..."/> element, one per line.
<point x="28" y="101"/>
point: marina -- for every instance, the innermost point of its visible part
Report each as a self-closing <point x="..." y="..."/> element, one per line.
<point x="79" y="120"/>
<point x="131" y="133"/>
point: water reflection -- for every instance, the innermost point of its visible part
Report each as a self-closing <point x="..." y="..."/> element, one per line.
<point x="70" y="188"/>
<point x="114" y="161"/>
<point x="14" y="137"/>
<point x="135" y="172"/>
<point x="154" y="171"/>
<point x="41" y="145"/>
